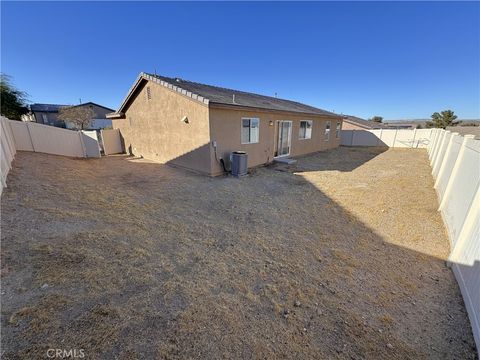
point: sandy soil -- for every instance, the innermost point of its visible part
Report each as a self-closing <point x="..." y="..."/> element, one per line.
<point x="340" y="256"/>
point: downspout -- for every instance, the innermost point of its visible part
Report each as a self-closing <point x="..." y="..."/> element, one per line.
<point x="275" y="138"/>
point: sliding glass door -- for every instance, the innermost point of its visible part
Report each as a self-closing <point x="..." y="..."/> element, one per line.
<point x="284" y="137"/>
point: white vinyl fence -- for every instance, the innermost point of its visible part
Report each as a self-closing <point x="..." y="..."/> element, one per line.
<point x="90" y="143"/>
<point x="28" y="136"/>
<point x="455" y="161"/>
<point x="8" y="151"/>
<point x="112" y="143"/>
<point x="417" y="138"/>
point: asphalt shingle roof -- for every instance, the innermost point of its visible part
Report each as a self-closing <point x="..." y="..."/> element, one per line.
<point x="46" y="107"/>
<point x="56" y="107"/>
<point x="225" y="96"/>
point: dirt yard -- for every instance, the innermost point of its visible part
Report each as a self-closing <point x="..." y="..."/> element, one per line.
<point x="340" y="256"/>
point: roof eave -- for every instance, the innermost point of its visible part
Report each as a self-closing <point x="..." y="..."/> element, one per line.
<point x="198" y="98"/>
<point x="115" y="115"/>
<point x="253" y="108"/>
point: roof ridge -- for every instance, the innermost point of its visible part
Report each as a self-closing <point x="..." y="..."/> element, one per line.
<point x="49" y="104"/>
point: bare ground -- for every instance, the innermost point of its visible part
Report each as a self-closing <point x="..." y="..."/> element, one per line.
<point x="341" y="256"/>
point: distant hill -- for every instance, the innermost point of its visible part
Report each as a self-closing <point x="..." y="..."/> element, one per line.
<point x="413" y="123"/>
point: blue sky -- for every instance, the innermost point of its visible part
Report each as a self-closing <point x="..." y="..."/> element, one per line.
<point x="396" y="60"/>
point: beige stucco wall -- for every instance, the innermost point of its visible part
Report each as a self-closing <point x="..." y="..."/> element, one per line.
<point x="153" y="128"/>
<point x="225" y="129"/>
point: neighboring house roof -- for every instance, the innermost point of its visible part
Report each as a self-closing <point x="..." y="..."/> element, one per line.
<point x="46" y="107"/>
<point x="366" y="124"/>
<point x="55" y="107"/>
<point x="92" y="103"/>
<point x="209" y="94"/>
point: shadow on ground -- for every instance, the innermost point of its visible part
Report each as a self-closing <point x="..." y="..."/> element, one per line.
<point x="341" y="159"/>
<point x="130" y="259"/>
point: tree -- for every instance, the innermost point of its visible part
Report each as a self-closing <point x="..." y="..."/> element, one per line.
<point x="12" y="101"/>
<point x="443" y="119"/>
<point x="79" y="116"/>
<point x="377" y="119"/>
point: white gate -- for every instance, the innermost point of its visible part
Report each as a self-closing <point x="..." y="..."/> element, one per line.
<point x="112" y="141"/>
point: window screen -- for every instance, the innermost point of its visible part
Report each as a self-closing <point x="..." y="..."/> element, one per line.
<point x="305" y="129"/>
<point x="250" y="130"/>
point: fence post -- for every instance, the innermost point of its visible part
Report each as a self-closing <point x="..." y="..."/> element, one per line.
<point x="30" y="136"/>
<point x="414" y="136"/>
<point x="454" y="174"/>
<point x="445" y="158"/>
<point x="84" y="149"/>
<point x="441" y="153"/>
<point x="433" y="141"/>
<point x="429" y="141"/>
<point x="6" y="151"/>
<point x="394" y="138"/>
<point x="11" y="142"/>
<point x="467" y="228"/>
<point x="105" y="151"/>
<point x="8" y="135"/>
<point x="437" y="140"/>
<point x="437" y="147"/>
<point x="353" y="136"/>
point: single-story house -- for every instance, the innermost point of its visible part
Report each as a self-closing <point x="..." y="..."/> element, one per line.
<point x="351" y="122"/>
<point x="47" y="114"/>
<point x="198" y="126"/>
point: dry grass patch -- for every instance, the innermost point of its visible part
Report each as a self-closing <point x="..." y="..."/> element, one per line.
<point x="333" y="258"/>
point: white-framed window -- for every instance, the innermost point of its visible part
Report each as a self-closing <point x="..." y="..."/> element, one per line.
<point x="337" y="131"/>
<point x="327" y="130"/>
<point x="305" y="131"/>
<point x="250" y="130"/>
<point x="149" y="94"/>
